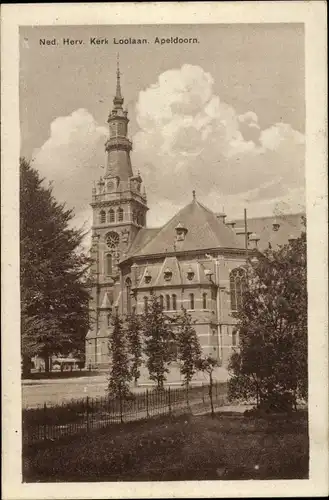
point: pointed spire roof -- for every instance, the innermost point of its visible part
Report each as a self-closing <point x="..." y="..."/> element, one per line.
<point x="118" y="99"/>
<point x="205" y="231"/>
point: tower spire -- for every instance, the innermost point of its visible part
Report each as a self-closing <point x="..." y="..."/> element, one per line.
<point x="118" y="99"/>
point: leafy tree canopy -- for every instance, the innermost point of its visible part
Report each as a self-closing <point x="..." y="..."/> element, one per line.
<point x="158" y="341"/>
<point x="271" y="361"/>
<point x="54" y="293"/>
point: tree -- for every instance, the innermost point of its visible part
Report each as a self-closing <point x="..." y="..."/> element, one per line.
<point x="133" y="329"/>
<point x="189" y="349"/>
<point x="270" y="364"/>
<point x="159" y="341"/>
<point x="53" y="270"/>
<point x="120" y="373"/>
<point x="208" y="365"/>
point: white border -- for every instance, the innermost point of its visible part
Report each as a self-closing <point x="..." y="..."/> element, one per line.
<point x="313" y="14"/>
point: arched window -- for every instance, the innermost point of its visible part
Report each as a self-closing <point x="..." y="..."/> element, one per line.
<point x="174" y="302"/>
<point x="134" y="216"/>
<point x="102" y="217"/>
<point x="146" y="304"/>
<point x="204" y="301"/>
<point x="191" y="300"/>
<point x="111" y="215"/>
<point x="108" y="264"/>
<point x="234" y="338"/>
<point x="168" y="302"/>
<point x="237" y="286"/>
<point x="120" y="214"/>
<point x="128" y="295"/>
<point x="161" y="301"/>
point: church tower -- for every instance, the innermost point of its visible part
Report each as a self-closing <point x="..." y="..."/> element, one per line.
<point x="119" y="211"/>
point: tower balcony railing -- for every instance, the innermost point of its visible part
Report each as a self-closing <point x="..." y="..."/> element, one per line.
<point x="127" y="192"/>
<point x="118" y="142"/>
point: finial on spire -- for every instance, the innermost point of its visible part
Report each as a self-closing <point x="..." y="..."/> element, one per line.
<point x="118" y="100"/>
<point x="193" y="192"/>
<point x="118" y="90"/>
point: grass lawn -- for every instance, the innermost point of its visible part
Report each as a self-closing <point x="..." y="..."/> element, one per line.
<point x="187" y="447"/>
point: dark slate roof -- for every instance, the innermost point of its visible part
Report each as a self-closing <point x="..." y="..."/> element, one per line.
<point x="204" y="231"/>
<point x="142" y="238"/>
<point x="290" y="225"/>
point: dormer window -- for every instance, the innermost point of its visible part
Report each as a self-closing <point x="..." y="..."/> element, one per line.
<point x="276" y="226"/>
<point x="147" y="276"/>
<point x="208" y="273"/>
<point x="190" y="274"/>
<point x="167" y="274"/>
<point x="181" y="232"/>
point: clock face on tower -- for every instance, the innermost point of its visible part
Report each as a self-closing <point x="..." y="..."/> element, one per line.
<point x="112" y="239"/>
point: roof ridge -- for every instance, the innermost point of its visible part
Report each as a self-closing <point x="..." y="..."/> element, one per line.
<point x="268" y="216"/>
<point x="206" y="208"/>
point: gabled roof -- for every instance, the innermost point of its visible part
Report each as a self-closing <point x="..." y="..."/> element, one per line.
<point x="290" y="225"/>
<point x="170" y="264"/>
<point x="204" y="231"/>
<point x="107" y="300"/>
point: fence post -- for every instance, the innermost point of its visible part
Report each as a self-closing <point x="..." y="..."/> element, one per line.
<point x="147" y="403"/>
<point x="202" y="393"/>
<point x="87" y="413"/>
<point x="44" y="421"/>
<point x="216" y="385"/>
<point x="169" y="401"/>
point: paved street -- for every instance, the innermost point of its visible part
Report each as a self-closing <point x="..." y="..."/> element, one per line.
<point x="37" y="392"/>
<point x="55" y="391"/>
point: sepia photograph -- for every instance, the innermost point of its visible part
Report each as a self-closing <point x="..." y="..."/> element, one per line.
<point x="163" y="252"/>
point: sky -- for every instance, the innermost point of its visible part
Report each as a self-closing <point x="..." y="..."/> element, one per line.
<point x="224" y="117"/>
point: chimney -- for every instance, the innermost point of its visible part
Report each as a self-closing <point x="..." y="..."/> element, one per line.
<point x="254" y="239"/>
<point x="230" y="223"/>
<point x="221" y="217"/>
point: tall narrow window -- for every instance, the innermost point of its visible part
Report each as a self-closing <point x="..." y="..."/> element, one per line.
<point x="237" y="286"/>
<point x="134" y="216"/>
<point x="234" y="338"/>
<point x="204" y="301"/>
<point x="146" y="304"/>
<point x="191" y="300"/>
<point x="128" y="295"/>
<point x="120" y="214"/>
<point x="168" y="302"/>
<point x="102" y="217"/>
<point x="108" y="264"/>
<point x="111" y="215"/>
<point x="161" y="301"/>
<point x="174" y="302"/>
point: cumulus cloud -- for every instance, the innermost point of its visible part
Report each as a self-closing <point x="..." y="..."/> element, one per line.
<point x="70" y="157"/>
<point x="187" y="138"/>
<point x="190" y="139"/>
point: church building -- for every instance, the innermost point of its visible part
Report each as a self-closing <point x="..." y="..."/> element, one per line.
<point x="194" y="261"/>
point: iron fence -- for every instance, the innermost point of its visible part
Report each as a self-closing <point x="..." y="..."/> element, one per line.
<point x="84" y="415"/>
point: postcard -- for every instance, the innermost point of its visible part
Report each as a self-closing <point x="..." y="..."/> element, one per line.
<point x="164" y="250"/>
